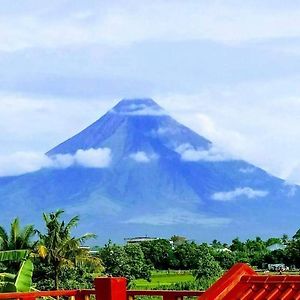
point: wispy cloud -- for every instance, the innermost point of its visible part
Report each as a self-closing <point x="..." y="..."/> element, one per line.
<point x="22" y="162"/>
<point x="20" y="114"/>
<point x="189" y="153"/>
<point x="119" y="24"/>
<point x="248" y="170"/>
<point x="174" y="217"/>
<point x="225" y="115"/>
<point x="143" y="157"/>
<point x="26" y="162"/>
<point x="290" y="189"/>
<point x="141" y="110"/>
<point x="239" y="192"/>
<point x="93" y="158"/>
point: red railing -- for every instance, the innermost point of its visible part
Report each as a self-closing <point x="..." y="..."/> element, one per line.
<point x="72" y="294"/>
<point x="166" y="295"/>
<point x="106" y="288"/>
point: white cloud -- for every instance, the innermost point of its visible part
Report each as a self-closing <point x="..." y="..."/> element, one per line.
<point x="141" y="110"/>
<point x="257" y="121"/>
<point x="239" y="192"/>
<point x="57" y="121"/>
<point x="22" y="162"/>
<point x="166" y="130"/>
<point x="247" y="170"/>
<point x="143" y="157"/>
<point x="93" y="158"/>
<point x="294" y="174"/>
<point x="291" y="189"/>
<point x="25" y="162"/>
<point x="174" y="217"/>
<point x="62" y="161"/>
<point x="119" y="24"/>
<point x="189" y="153"/>
<point x="217" y="113"/>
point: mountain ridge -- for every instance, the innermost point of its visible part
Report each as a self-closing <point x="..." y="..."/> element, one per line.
<point x="163" y="179"/>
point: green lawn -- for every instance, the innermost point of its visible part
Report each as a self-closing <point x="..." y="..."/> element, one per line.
<point x="163" y="278"/>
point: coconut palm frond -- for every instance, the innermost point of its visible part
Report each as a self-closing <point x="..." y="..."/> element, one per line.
<point x="3" y="238"/>
<point x="86" y="237"/>
<point x="72" y="223"/>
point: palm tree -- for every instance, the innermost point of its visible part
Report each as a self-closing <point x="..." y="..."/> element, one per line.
<point x="58" y="247"/>
<point x="18" y="238"/>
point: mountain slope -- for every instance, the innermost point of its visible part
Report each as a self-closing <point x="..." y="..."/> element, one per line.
<point x="162" y="179"/>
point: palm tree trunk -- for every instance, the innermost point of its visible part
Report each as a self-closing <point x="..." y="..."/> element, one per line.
<point x="56" y="279"/>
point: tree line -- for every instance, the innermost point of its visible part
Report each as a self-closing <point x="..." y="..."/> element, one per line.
<point x="54" y="258"/>
<point x="206" y="261"/>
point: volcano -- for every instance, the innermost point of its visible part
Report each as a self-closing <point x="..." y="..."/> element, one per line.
<point x="137" y="171"/>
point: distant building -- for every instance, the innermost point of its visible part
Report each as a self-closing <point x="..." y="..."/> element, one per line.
<point x="275" y="247"/>
<point x="277" y="267"/>
<point x="223" y="250"/>
<point x="140" y="239"/>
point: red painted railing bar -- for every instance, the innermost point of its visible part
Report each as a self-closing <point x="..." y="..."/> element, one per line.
<point x="106" y="288"/>
<point x="33" y="295"/>
<point x="164" y="293"/>
<point x="38" y="294"/>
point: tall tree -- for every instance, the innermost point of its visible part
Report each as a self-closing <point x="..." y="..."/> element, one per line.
<point x="159" y="253"/>
<point x="59" y="248"/>
<point x="17" y="238"/>
<point x="208" y="269"/>
<point x="126" y="261"/>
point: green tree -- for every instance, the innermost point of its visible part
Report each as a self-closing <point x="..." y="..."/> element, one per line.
<point x="187" y="255"/>
<point x="17" y="238"/>
<point x="237" y="245"/>
<point x="178" y="240"/>
<point x="159" y="253"/>
<point x="226" y="259"/>
<point x="293" y="252"/>
<point x="276" y="257"/>
<point x="59" y="248"/>
<point x="125" y="261"/>
<point x="208" y="269"/>
<point x="285" y="239"/>
<point x="216" y="244"/>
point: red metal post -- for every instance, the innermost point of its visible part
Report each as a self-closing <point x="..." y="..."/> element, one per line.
<point x="110" y="288"/>
<point x="79" y="296"/>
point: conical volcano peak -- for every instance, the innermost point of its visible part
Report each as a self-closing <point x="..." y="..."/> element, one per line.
<point x="138" y="106"/>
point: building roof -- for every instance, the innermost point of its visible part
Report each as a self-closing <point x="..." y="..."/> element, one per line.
<point x="140" y="239"/>
<point x="275" y="247"/>
<point x="243" y="283"/>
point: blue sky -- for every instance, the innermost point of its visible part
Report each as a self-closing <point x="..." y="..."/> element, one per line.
<point x="228" y="69"/>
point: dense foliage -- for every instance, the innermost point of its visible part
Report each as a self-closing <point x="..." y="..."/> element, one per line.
<point x="125" y="261"/>
<point x="60" y="250"/>
<point x="61" y="261"/>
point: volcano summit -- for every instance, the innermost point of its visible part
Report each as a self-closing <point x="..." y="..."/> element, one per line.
<point x="136" y="171"/>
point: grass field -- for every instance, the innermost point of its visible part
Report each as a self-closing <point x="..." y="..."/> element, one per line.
<point x="163" y="279"/>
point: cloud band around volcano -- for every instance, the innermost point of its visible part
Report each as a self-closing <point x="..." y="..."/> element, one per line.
<point x="26" y="162"/>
